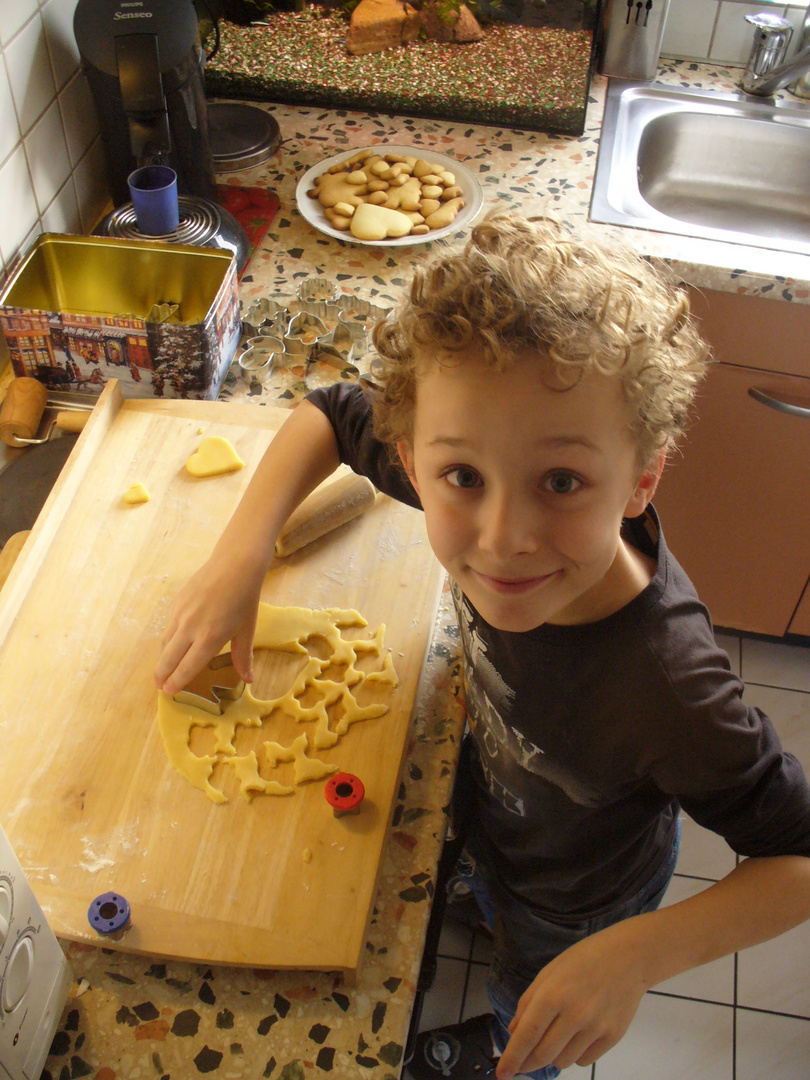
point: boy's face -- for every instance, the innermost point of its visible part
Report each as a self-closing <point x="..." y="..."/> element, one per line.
<point x="524" y="489"/>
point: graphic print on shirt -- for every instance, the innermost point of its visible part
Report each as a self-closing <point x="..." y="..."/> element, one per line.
<point x="505" y="753"/>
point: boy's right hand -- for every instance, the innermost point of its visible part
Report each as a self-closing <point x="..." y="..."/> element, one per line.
<point x="215" y="606"/>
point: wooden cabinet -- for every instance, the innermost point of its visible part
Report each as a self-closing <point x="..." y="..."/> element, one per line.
<point x="735" y="506"/>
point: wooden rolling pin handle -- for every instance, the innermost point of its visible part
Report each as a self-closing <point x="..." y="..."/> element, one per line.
<point x="330" y="505"/>
<point x="22" y="410"/>
<point x="72" y="420"/>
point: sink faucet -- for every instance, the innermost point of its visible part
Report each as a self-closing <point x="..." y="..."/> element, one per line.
<point x="767" y="70"/>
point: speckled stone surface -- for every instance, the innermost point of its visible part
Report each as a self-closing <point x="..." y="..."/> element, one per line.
<point x="131" y="1017"/>
<point x="533" y="76"/>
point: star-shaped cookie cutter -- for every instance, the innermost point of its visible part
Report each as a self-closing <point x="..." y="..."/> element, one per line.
<point x="207" y="690"/>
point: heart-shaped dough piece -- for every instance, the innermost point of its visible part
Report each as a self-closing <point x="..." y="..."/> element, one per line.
<point x="214" y="455"/>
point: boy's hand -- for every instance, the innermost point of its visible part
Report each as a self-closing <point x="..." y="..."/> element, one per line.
<point x="578" y="1007"/>
<point x="214" y="607"/>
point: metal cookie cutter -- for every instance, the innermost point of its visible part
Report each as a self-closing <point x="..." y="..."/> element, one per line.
<point x="216" y="683"/>
<point x="315" y="290"/>
<point x="261" y="312"/>
<point x="303" y="332"/>
<point x="262" y="354"/>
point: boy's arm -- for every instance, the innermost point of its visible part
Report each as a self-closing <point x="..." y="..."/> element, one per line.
<point x="582" y="1003"/>
<point x="220" y="602"/>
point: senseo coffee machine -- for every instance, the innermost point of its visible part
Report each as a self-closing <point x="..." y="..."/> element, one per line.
<point x="144" y="63"/>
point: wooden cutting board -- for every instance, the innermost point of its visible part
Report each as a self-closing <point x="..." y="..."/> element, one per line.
<point x="88" y="798"/>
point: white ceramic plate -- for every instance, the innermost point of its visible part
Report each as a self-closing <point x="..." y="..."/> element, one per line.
<point x="471" y="189"/>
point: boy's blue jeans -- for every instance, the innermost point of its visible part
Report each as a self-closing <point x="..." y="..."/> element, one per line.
<point x="510" y="973"/>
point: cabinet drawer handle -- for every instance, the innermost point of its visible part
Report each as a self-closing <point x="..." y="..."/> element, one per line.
<point x="767" y="398"/>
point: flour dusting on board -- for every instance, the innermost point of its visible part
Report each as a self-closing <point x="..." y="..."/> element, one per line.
<point x="99" y="855"/>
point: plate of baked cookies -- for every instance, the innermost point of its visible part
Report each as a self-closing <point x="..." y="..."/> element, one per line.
<point x="389" y="196"/>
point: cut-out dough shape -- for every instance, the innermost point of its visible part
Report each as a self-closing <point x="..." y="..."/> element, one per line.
<point x="136" y="493"/>
<point x="287" y="629"/>
<point x="214" y="455"/>
<point x="306" y="768"/>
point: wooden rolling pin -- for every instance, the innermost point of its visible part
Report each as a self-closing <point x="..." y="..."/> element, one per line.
<point x="9" y="553"/>
<point x="22" y="411"/>
<point x="330" y="505"/>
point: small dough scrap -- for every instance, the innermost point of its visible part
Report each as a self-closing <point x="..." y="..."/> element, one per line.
<point x="214" y="456"/>
<point x="378" y="222"/>
<point x="306" y="768"/>
<point x="136" y="493"/>
<point x="247" y="773"/>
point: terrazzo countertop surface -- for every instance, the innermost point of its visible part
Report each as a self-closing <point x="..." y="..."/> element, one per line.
<point x="130" y="1017"/>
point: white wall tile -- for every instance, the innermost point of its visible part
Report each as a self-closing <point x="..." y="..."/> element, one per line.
<point x="91" y="187"/>
<point x="9" y="128"/>
<point x="47" y="155"/>
<point x="688" y="29"/>
<point x="18" y="208"/>
<point x="15" y="15"/>
<point x="796" y="16"/>
<point x="79" y="117"/>
<point x="29" y="69"/>
<point x="734" y="36"/>
<point x="57" y="17"/>
<point x="62" y="216"/>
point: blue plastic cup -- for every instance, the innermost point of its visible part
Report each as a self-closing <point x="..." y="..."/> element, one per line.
<point x="153" y="189"/>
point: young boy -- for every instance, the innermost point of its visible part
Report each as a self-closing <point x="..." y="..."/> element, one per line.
<point x="532" y="386"/>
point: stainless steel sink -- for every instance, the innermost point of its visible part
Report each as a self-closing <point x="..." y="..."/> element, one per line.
<point x="699" y="163"/>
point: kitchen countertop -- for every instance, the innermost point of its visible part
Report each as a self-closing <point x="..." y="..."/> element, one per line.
<point x="132" y="1016"/>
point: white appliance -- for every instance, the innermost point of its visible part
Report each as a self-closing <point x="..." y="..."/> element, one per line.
<point x="34" y="975"/>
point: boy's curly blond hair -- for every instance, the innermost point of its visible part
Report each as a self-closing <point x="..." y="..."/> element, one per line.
<point x="523" y="285"/>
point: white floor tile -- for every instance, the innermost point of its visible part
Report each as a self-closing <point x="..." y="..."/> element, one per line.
<point x="442" y="1003"/>
<point x="703" y="853"/>
<point x="731" y="643"/>
<point x="455" y="941"/>
<point x="774" y="975"/>
<point x="671" y="1039"/>
<point x="476" y="1001"/>
<point x="775" y="664"/>
<point x="790" y="712"/>
<point x="711" y="982"/>
<point x="772" y="1047"/>
<point x="482" y="949"/>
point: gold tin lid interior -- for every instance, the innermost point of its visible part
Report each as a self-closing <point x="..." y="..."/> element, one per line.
<point x="100" y="276"/>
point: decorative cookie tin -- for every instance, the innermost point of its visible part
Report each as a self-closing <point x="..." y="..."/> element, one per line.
<point x="161" y="318"/>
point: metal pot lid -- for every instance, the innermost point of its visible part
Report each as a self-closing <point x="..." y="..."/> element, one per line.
<point x="241" y="136"/>
<point x="202" y="222"/>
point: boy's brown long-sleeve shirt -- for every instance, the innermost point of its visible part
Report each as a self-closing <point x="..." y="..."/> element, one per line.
<point x="588" y="738"/>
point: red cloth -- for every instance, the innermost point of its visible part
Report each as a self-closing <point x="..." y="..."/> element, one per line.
<point x="254" y="208"/>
